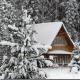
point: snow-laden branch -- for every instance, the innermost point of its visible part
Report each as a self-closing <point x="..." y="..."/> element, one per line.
<point x="40" y="49"/>
<point x="8" y="43"/>
<point x="13" y="27"/>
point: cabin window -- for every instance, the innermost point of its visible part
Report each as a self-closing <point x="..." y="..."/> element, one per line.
<point x="59" y="40"/>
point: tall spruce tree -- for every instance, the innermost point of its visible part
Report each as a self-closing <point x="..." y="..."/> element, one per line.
<point x="20" y="61"/>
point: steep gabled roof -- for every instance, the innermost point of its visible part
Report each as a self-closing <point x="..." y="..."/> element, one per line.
<point x="48" y="31"/>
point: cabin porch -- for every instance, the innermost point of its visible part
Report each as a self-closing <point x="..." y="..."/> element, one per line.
<point x="59" y="57"/>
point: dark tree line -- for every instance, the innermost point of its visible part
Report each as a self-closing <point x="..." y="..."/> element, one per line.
<point x="67" y="11"/>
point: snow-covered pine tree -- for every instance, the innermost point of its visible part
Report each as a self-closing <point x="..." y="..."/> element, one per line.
<point x="71" y="16"/>
<point x="21" y="63"/>
<point x="75" y="62"/>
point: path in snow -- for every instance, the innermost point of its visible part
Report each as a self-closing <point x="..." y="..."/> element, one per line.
<point x="61" y="73"/>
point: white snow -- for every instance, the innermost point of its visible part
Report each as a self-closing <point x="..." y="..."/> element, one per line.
<point x="26" y="18"/>
<point x="12" y="27"/>
<point x="58" y="73"/>
<point x="4" y="58"/>
<point x="36" y="47"/>
<point x="48" y="31"/>
<point x="79" y="47"/>
<point x="12" y="60"/>
<point x="42" y="73"/>
<point x="7" y="43"/>
<point x="49" y="63"/>
<point x="61" y="73"/>
<point x="76" y="56"/>
<point x="74" y="69"/>
<point x="2" y="77"/>
<point x="59" y="52"/>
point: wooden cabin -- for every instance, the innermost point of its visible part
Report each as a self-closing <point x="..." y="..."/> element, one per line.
<point x="56" y="35"/>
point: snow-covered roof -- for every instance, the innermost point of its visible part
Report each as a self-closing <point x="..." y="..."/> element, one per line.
<point x="48" y="31"/>
<point x="59" y="52"/>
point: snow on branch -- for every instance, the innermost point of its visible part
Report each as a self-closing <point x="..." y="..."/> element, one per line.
<point x="7" y="43"/>
<point x="40" y="48"/>
<point x="26" y="18"/>
<point x="13" y="27"/>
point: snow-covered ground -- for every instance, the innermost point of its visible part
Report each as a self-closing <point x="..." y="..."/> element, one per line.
<point x="61" y="73"/>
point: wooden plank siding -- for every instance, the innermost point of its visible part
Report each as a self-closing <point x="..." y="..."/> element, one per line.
<point x="62" y="59"/>
<point x="62" y="47"/>
<point x="61" y="42"/>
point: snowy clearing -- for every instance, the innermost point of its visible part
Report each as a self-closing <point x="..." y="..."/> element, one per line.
<point x="61" y="73"/>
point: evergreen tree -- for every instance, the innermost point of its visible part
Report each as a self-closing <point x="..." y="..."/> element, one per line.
<point x="21" y="64"/>
<point x="71" y="17"/>
<point x="43" y="10"/>
<point x="20" y="61"/>
<point x="75" y="63"/>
